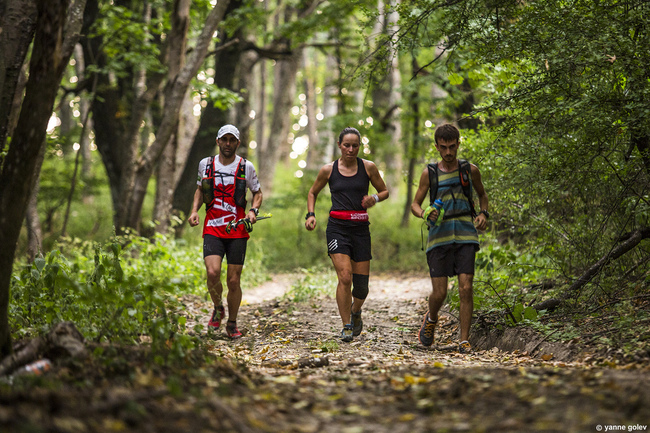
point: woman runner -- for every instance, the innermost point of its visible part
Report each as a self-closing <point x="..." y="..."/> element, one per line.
<point x="348" y="234"/>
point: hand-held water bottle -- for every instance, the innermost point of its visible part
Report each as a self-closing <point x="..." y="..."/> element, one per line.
<point x="441" y="211"/>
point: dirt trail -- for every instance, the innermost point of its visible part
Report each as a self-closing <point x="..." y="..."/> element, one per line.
<point x="307" y="380"/>
<point x="291" y="373"/>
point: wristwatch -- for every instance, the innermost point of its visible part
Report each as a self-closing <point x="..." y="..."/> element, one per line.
<point x="486" y="213"/>
<point x="310" y="214"/>
<point x="255" y="210"/>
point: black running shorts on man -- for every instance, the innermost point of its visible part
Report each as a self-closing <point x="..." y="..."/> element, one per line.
<point x="233" y="249"/>
<point x="451" y="259"/>
<point x="353" y="241"/>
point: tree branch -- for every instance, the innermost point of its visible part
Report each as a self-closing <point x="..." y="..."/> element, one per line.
<point x="629" y="241"/>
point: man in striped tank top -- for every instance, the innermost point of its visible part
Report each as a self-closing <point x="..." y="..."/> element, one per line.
<point x="453" y="241"/>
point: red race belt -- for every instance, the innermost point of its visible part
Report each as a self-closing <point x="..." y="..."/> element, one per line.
<point x="350" y="215"/>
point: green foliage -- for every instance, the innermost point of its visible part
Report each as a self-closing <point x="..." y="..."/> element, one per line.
<point x="3" y="152"/>
<point x="327" y="346"/>
<point x="338" y="15"/>
<point x="521" y="313"/>
<point x="130" y="41"/>
<point x="562" y="92"/>
<point x="506" y="278"/>
<point x="313" y="283"/>
<point x="395" y="248"/>
<point x="118" y="291"/>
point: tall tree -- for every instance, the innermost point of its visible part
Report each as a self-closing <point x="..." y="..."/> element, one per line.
<point x="57" y="27"/>
<point x="225" y="59"/>
<point x="301" y="22"/>
<point x="166" y="171"/>
<point x="18" y="22"/>
<point x="315" y="151"/>
<point x="119" y="110"/>
<point x="384" y="83"/>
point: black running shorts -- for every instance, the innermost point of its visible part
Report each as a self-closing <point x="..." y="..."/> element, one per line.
<point x="451" y="259"/>
<point x="233" y="249"/>
<point x="353" y="241"/>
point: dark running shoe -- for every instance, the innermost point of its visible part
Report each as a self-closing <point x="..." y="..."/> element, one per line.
<point x="232" y="331"/>
<point x="217" y="316"/>
<point x="464" y="347"/>
<point x="426" y="331"/>
<point x="357" y="323"/>
<point x="347" y="333"/>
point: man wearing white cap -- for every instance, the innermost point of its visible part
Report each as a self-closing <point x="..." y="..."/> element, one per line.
<point x="222" y="184"/>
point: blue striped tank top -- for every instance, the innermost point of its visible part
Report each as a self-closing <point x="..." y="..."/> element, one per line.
<point x="459" y="229"/>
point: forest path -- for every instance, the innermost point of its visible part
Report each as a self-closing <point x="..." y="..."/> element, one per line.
<point x="307" y="380"/>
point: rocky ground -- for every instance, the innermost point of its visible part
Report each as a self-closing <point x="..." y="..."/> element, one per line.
<point x="291" y="373"/>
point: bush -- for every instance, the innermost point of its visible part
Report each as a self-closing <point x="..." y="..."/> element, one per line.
<point x="117" y="291"/>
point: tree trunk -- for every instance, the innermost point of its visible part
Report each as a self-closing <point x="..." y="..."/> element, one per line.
<point x="212" y="118"/>
<point x="243" y="108"/>
<point x="18" y="22"/>
<point x="177" y="42"/>
<point x="314" y="152"/>
<point x="385" y="98"/>
<point x="32" y="220"/>
<point x="174" y="96"/>
<point x="183" y="180"/>
<point x="53" y="42"/>
<point x="340" y="97"/>
<point x="84" y="109"/>
<point x="261" y="113"/>
<point x="119" y="109"/>
<point x="284" y="92"/>
<point x="413" y="151"/>
<point x="162" y="210"/>
<point x="330" y="110"/>
<point x="642" y="142"/>
<point x="392" y="117"/>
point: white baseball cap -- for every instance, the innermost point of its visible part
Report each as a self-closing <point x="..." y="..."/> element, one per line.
<point x="228" y="129"/>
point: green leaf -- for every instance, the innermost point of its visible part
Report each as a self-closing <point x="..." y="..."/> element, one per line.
<point x="530" y="313"/>
<point x="517" y="312"/>
<point x="39" y="263"/>
<point x="456" y="79"/>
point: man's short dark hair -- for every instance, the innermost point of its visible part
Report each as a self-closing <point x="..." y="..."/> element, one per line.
<point x="447" y="132"/>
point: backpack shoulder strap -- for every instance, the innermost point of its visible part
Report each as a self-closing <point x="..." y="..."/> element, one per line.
<point x="241" y="169"/>
<point x="465" y="174"/>
<point x="433" y="181"/>
<point x="209" y="167"/>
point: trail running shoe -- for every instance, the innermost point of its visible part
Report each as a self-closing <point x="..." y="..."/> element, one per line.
<point x="464" y="347"/>
<point x="357" y="323"/>
<point x="232" y="331"/>
<point x="347" y="333"/>
<point x="426" y="331"/>
<point x="217" y="316"/>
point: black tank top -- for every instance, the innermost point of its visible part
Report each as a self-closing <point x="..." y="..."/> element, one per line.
<point x="348" y="191"/>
